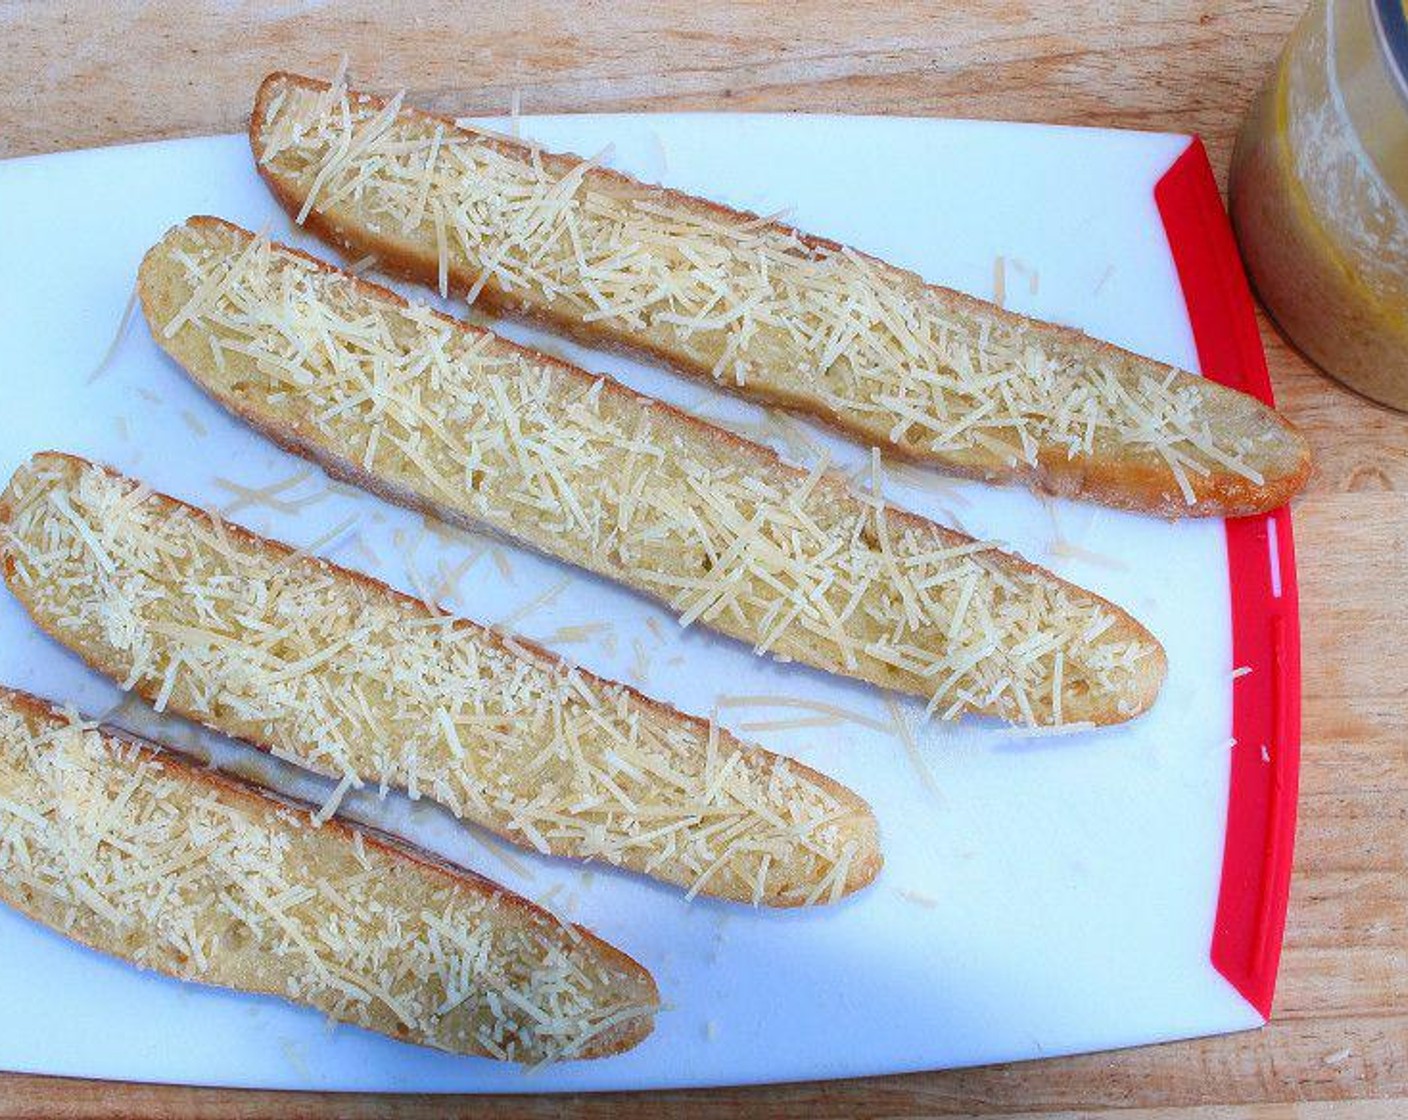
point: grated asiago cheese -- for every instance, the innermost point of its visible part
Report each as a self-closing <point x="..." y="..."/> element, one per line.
<point x="334" y="802"/>
<point x="491" y="435"/>
<point x="501" y="561"/>
<point x="580" y="632"/>
<point x="270" y="496"/>
<point x="832" y="712"/>
<point x="905" y="734"/>
<point x="795" y="724"/>
<point x="123" y="324"/>
<point x="356" y="681"/>
<point x="127" y="850"/>
<point x="1072" y="551"/>
<point x="749" y="299"/>
<point x="545" y="598"/>
<point x="448" y="589"/>
<point x="640" y="663"/>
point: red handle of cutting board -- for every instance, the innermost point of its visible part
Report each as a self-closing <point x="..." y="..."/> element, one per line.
<point x="1265" y="762"/>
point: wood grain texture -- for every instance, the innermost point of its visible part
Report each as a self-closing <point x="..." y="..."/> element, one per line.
<point x="1337" y="1048"/>
<point x="119" y="71"/>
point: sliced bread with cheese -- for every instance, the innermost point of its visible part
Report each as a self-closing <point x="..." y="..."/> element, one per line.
<point x="140" y="853"/>
<point x="756" y="306"/>
<point x="472" y="429"/>
<point x="341" y="674"/>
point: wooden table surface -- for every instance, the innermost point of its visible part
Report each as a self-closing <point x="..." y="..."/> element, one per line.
<point x="78" y="75"/>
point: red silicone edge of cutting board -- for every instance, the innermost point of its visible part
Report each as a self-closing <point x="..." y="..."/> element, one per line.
<point x="1265" y="762"/>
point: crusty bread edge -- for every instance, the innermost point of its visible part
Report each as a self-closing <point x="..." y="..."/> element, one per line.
<point x="865" y="866"/>
<point x="1143" y="489"/>
<point x="289" y="437"/>
<point x="614" y="1040"/>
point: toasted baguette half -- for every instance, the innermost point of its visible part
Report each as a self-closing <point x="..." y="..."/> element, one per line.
<point x="337" y="672"/>
<point x="777" y="315"/>
<point x="134" y="851"/>
<point x="456" y="421"/>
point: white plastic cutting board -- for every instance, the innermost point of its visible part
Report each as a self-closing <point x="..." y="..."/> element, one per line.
<point x="1039" y="896"/>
